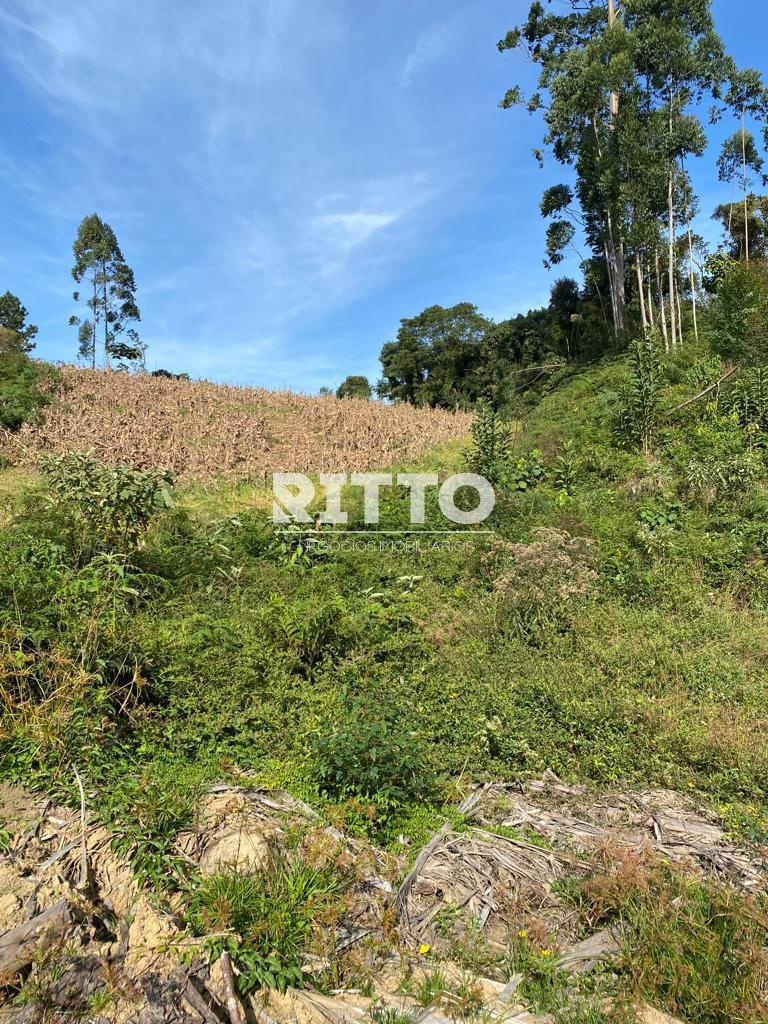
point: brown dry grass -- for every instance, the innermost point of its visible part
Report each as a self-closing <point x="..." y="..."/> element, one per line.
<point x="203" y="431"/>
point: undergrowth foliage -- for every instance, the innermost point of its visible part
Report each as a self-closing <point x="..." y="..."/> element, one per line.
<point x="114" y="503"/>
<point x="266" y="917"/>
<point x="366" y="750"/>
<point x="26" y="388"/>
<point x="538" y="585"/>
<point x="695" y="949"/>
<point x="610" y="632"/>
<point x="641" y="399"/>
<point x="490" y="450"/>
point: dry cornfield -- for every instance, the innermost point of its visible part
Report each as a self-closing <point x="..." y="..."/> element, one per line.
<point x="204" y="431"/>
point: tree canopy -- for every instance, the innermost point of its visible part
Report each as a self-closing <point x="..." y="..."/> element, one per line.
<point x="15" y="333"/>
<point x="620" y="89"/>
<point x="110" y="298"/>
<point x="354" y="386"/>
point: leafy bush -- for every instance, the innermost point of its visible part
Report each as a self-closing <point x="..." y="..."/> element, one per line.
<point x="113" y="503"/>
<point x="490" y="449"/>
<point x="25" y="388"/>
<point x="567" y="467"/>
<point x="522" y="473"/>
<point x="716" y="476"/>
<point x="310" y="629"/>
<point x="367" y="751"/>
<point x="661" y="515"/>
<point x="271" y="913"/>
<point x="749" y="398"/>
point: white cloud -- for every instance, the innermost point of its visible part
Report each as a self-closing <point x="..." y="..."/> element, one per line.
<point x="352" y="229"/>
<point x="430" y="46"/>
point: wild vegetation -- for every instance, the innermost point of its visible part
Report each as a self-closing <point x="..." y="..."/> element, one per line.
<point x="461" y="765"/>
<point x="610" y="632"/>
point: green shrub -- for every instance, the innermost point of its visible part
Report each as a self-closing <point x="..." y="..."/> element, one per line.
<point x="491" y="447"/>
<point x="640" y="399"/>
<point x="367" y="751"/>
<point x="309" y="629"/>
<point x="522" y="473"/>
<point x="749" y="398"/>
<point x="567" y="467"/>
<point x="738" y="316"/>
<point x="25" y="388"/>
<point x="114" y="504"/>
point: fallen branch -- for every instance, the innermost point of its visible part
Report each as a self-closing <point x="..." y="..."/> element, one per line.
<point x="690" y="401"/>
<point x="198" y="1003"/>
<point x="19" y="945"/>
<point x="410" y="878"/>
<point x="545" y="366"/>
<point x="234" y="1008"/>
<point x="83" y="880"/>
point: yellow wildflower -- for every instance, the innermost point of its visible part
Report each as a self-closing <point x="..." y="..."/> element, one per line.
<point x="424" y="948"/>
<point x="546" y="952"/>
<point x="522" y="934"/>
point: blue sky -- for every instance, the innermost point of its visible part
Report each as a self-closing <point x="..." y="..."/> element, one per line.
<point x="288" y="178"/>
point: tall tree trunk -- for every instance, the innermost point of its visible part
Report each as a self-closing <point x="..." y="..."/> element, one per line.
<point x="641" y="292"/>
<point x="662" y="311"/>
<point x="93" y="324"/>
<point x="671" y="259"/>
<point x="614" y="100"/>
<point x="651" y="319"/>
<point x="105" y="301"/>
<point x="614" y="245"/>
<point x="612" y="289"/>
<point x="692" y="276"/>
<point x="679" y="315"/>
<point x="744" y="186"/>
<point x="671" y="217"/>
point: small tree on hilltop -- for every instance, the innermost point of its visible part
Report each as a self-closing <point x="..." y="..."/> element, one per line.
<point x="354" y="386"/>
<point x="111" y="300"/>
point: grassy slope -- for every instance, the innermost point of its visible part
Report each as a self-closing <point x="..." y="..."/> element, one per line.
<point x="661" y="681"/>
<point x="220" y="652"/>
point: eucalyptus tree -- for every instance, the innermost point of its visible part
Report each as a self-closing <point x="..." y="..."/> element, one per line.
<point x="733" y="221"/>
<point x="110" y="297"/>
<point x="746" y="96"/>
<point x="679" y="59"/>
<point x="621" y="89"/>
<point x="585" y="67"/>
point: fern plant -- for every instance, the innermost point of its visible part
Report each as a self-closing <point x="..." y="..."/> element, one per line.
<point x="489" y="453"/>
<point x="641" y="398"/>
<point x="749" y="398"/>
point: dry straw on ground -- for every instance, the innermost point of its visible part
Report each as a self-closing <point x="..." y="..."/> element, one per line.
<point x="203" y="431"/>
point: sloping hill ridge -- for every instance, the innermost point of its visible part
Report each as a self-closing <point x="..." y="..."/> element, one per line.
<point x="201" y="430"/>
